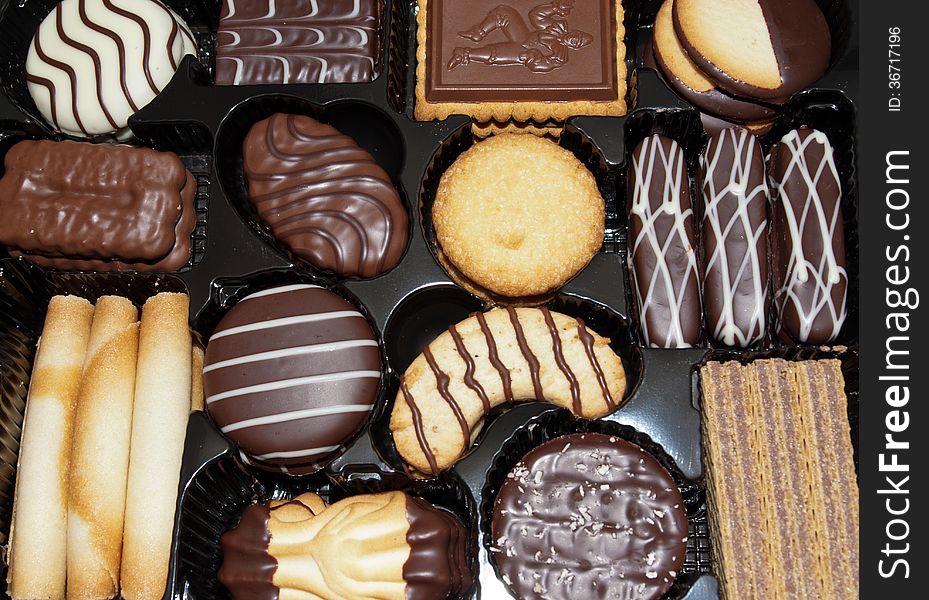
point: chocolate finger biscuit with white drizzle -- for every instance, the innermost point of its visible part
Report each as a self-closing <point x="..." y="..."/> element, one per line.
<point x="735" y="246"/>
<point x="807" y="238"/>
<point x="662" y="245"/>
<point x="490" y="359"/>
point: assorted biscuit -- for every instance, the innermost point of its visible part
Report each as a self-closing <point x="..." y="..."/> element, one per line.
<point x="730" y="241"/>
<point x="741" y="60"/>
<point x="100" y="458"/>
<point x="673" y="282"/>
<point x="781" y="480"/>
<point x="390" y="545"/>
<point x="97" y="207"/>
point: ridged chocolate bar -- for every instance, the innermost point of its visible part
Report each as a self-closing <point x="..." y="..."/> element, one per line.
<point x="80" y="201"/>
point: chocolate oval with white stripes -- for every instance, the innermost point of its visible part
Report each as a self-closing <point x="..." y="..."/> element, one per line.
<point x="662" y="245"/>
<point x="735" y="246"/>
<point x="807" y="238"/>
<point x="290" y="375"/>
<point x="94" y="63"/>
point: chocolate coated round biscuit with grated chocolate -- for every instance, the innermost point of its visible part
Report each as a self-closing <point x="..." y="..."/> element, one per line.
<point x="589" y="516"/>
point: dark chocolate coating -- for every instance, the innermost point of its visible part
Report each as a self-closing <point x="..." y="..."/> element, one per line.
<point x="324" y="197"/>
<point x="488" y="50"/>
<point x="715" y="101"/>
<point x="97" y="206"/>
<point x="589" y="516"/>
<point x="802" y="45"/>
<point x="735" y="244"/>
<point x="294" y="41"/>
<point x="248" y="568"/>
<point x="809" y="278"/>
<point x="662" y="245"/>
<point x="294" y="409"/>
<point x="437" y="567"/>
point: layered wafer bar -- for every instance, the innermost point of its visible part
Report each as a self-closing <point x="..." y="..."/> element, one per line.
<point x="781" y="481"/>
<point x="731" y="461"/>
<point x="96" y="206"/>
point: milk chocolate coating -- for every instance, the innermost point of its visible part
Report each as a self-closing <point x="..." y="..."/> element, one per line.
<point x="662" y="245"/>
<point x="735" y="245"/>
<point x="97" y="207"/>
<point x="294" y="41"/>
<point x="492" y="51"/>
<point x="807" y="239"/>
<point x="291" y="375"/>
<point x="324" y="197"/>
<point x="589" y="516"/>
<point x="802" y="45"/>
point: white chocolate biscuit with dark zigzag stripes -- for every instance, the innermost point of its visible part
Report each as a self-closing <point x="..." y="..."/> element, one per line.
<point x="94" y="63"/>
<point x="490" y="359"/>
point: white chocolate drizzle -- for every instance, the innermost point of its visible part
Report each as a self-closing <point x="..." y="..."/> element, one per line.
<point x="808" y="267"/>
<point x="734" y="153"/>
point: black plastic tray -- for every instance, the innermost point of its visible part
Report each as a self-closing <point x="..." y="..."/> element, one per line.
<point x="415" y="301"/>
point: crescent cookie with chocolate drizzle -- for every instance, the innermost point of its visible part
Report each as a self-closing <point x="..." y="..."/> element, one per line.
<point x="503" y="356"/>
<point x="391" y="546"/>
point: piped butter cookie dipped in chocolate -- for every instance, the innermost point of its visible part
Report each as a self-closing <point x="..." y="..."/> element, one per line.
<point x="765" y="49"/>
<point x="496" y="358"/>
<point x="290" y="375"/>
<point x="807" y="238"/>
<point x="589" y="516"/>
<point x="94" y="63"/>
<point x="735" y="245"/>
<point x="662" y="245"/>
<point x="324" y="197"/>
<point x="391" y="546"/>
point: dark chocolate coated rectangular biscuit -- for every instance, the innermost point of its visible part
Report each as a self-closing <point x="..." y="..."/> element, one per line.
<point x="91" y="201"/>
<point x="297" y="41"/>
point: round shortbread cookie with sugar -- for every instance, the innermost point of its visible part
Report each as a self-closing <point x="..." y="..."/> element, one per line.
<point x="766" y="49"/>
<point x="690" y="82"/>
<point x="92" y="64"/>
<point x="517" y="216"/>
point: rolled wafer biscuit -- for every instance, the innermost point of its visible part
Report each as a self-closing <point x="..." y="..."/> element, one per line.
<point x="391" y="546"/>
<point x="100" y="451"/>
<point x="159" y="424"/>
<point x="196" y="375"/>
<point x="37" y="550"/>
<point x="502" y="356"/>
